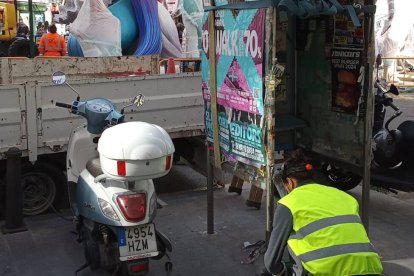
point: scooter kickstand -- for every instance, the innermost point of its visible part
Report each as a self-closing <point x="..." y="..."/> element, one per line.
<point x="168" y="267"/>
<point x="81" y="268"/>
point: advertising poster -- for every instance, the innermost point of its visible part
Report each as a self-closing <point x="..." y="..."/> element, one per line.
<point x="281" y="53"/>
<point x="347" y="80"/>
<point x="346" y="35"/>
<point x="239" y="66"/>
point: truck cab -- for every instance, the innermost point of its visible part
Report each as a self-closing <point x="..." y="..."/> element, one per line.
<point x="8" y="22"/>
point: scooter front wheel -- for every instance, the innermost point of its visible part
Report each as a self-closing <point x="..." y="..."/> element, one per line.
<point x="340" y="178"/>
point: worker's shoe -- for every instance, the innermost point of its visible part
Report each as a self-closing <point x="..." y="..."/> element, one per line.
<point x="235" y="190"/>
<point x="254" y="204"/>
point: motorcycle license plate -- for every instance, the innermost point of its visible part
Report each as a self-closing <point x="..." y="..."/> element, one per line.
<point x="137" y="242"/>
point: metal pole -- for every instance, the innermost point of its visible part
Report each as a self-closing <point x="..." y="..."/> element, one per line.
<point x="368" y="122"/>
<point x="214" y="119"/>
<point x="14" y="193"/>
<point x="31" y="26"/>
<point x="271" y="133"/>
<point x="213" y="86"/>
<point x="210" y="194"/>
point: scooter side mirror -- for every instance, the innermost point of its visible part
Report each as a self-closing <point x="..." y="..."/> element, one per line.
<point x="378" y="60"/>
<point x="394" y="90"/>
<point x="138" y="100"/>
<point x="58" y="78"/>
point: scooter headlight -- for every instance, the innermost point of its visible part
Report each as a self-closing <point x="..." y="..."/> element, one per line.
<point x="107" y="209"/>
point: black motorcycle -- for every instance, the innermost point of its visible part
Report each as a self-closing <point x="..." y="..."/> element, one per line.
<point x="393" y="149"/>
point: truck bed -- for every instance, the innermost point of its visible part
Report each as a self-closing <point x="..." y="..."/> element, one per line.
<point x="30" y="120"/>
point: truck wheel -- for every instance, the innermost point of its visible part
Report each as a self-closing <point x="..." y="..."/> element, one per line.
<point x="42" y="185"/>
<point x="21" y="48"/>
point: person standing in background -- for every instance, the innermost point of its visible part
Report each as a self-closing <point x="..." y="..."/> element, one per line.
<point x="46" y="27"/>
<point x="40" y="28"/>
<point x="22" y="29"/>
<point x="52" y="44"/>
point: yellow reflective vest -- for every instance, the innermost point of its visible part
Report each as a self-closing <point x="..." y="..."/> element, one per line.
<point x="328" y="237"/>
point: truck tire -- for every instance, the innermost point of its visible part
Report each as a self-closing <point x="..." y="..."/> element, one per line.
<point x="42" y="186"/>
<point x="21" y="48"/>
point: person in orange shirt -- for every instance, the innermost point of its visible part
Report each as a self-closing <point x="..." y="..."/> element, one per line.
<point x="52" y="44"/>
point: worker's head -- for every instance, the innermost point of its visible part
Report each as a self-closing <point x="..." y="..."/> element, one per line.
<point x="52" y="28"/>
<point x="295" y="169"/>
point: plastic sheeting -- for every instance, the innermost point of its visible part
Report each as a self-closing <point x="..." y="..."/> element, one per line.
<point x="149" y="39"/>
<point x="97" y="30"/>
<point x="394" y="33"/>
<point x="123" y="10"/>
<point x="395" y="28"/>
<point x="74" y="49"/>
<point x="192" y="12"/>
<point x="68" y="13"/>
<point x="171" y="46"/>
<point x="145" y="29"/>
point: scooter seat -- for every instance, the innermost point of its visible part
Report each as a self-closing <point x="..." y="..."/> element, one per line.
<point x="94" y="167"/>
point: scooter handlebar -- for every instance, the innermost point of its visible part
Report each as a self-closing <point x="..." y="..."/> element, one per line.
<point x="394" y="107"/>
<point x="64" y="105"/>
<point x="380" y="87"/>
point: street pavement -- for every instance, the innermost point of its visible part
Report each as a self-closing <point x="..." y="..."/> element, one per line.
<point x="49" y="247"/>
<point x="404" y="101"/>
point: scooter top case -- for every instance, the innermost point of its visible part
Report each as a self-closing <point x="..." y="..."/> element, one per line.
<point x="135" y="151"/>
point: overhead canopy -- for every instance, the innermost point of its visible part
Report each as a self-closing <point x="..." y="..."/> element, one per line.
<point x="302" y="8"/>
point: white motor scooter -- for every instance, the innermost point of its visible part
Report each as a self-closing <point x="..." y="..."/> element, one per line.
<point x="110" y="167"/>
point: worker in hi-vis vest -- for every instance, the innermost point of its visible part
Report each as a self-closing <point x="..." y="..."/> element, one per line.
<point x="320" y="226"/>
<point x="52" y="44"/>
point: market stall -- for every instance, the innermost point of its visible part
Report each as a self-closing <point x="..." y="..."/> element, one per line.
<point x="282" y="74"/>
